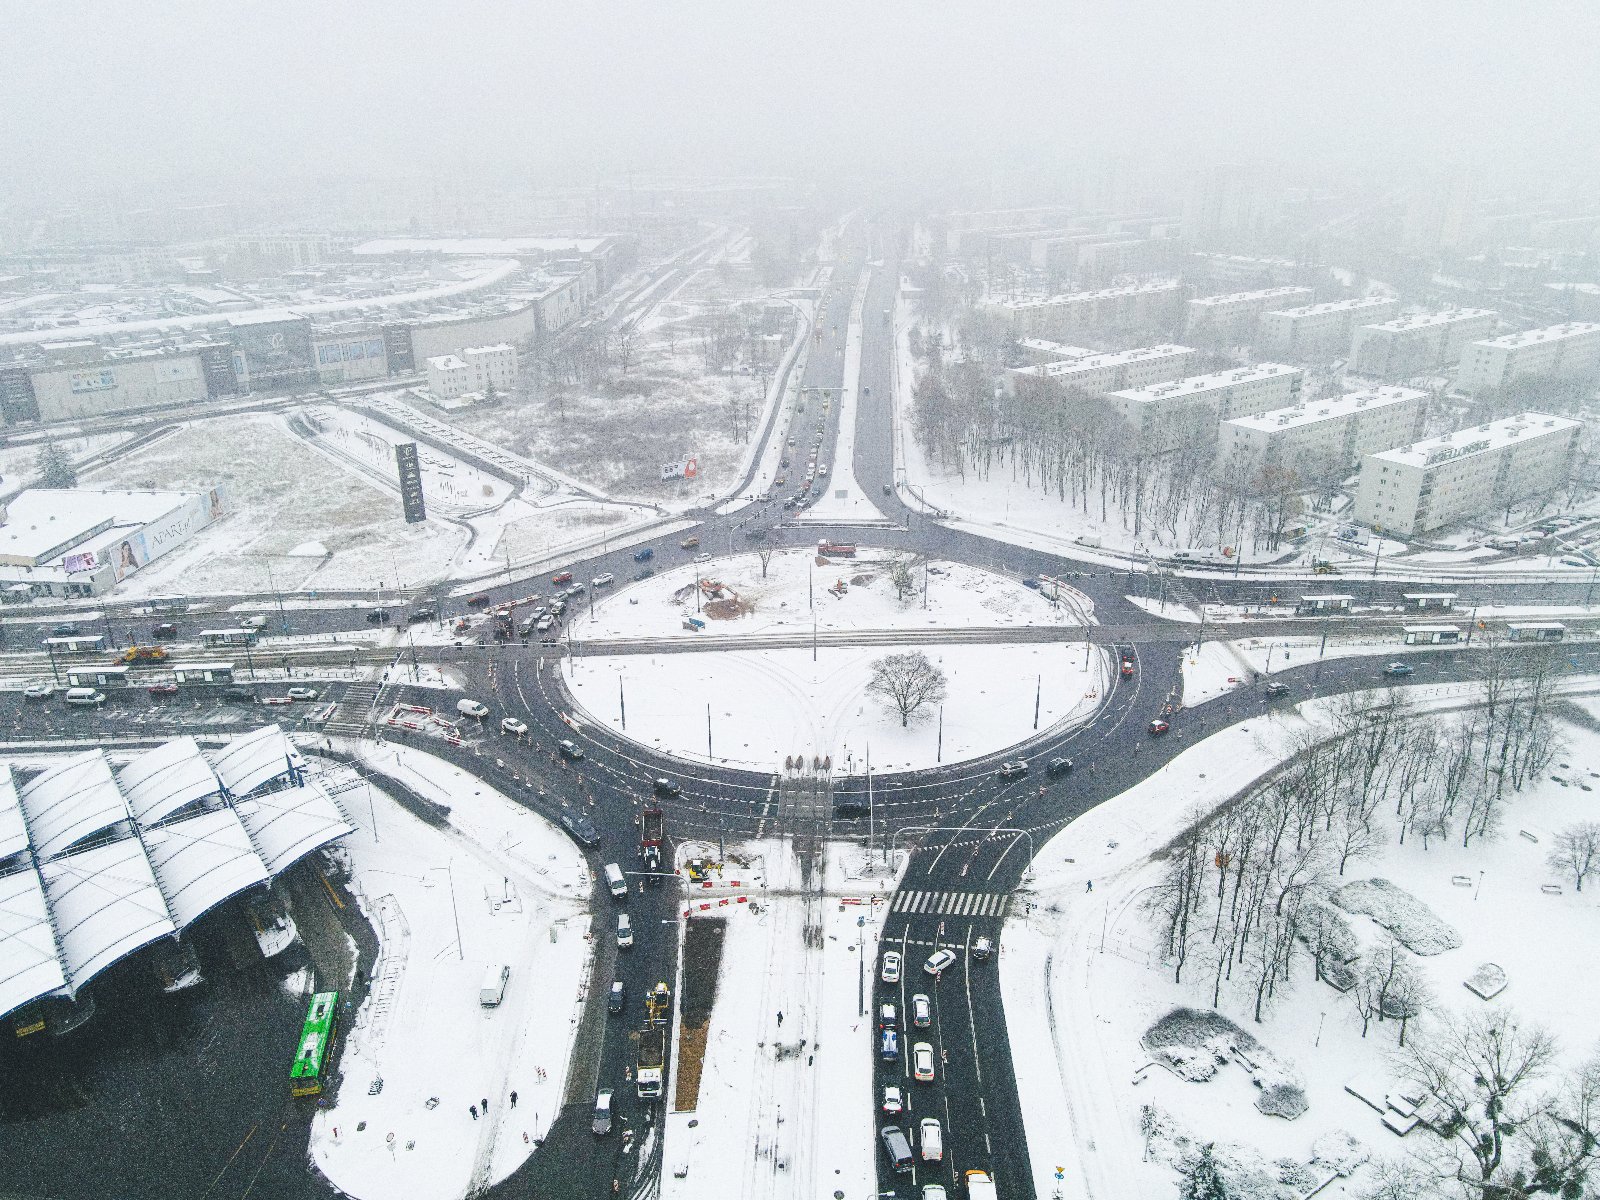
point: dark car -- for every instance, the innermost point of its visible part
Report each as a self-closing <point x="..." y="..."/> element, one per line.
<point x="165" y="632"/>
<point x="756" y="535"/>
<point x="1031" y="583"/>
<point x="570" y="749"/>
<point x="64" y="631"/>
<point x="580" y="827"/>
<point x="642" y="575"/>
<point x="478" y="602"/>
<point x="644" y="555"/>
<point x="239" y="695"/>
<point x="378" y="616"/>
<point x="1277" y="689"/>
<point x="615" y="1003"/>
<point x="1058" y="766"/>
<point x="162" y="689"/>
<point x="418" y="615"/>
<point x="850" y="810"/>
<point x="665" y="787"/>
<point x="1399" y="668"/>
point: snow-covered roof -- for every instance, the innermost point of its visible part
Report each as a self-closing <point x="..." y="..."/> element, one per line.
<point x="1096" y="362"/>
<point x="479" y="246"/>
<point x="162" y="781"/>
<point x="1314" y="310"/>
<point x="290" y="823"/>
<point x="447" y="362"/>
<point x="71" y="801"/>
<point x="29" y="967"/>
<point x="257" y="758"/>
<point x="13" y="829"/>
<point x="1193" y="384"/>
<point x="106" y="905"/>
<point x="200" y="861"/>
<point x="1423" y="320"/>
<point x="1160" y="285"/>
<point x="1463" y="443"/>
<point x="1310" y="412"/>
<point x="1274" y="293"/>
<point x="40" y="522"/>
<point x="1550" y="333"/>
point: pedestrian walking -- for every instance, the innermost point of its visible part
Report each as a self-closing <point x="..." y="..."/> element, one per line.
<point x="513" y="1099"/>
<point x="473" y="1109"/>
<point x="780" y="1017"/>
<point x="486" y="1106"/>
<point x="1088" y="885"/>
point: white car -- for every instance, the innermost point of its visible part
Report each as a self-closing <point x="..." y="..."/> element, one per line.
<point x="513" y="726"/>
<point x="893" y="1101"/>
<point x="921" y="1010"/>
<point x="940" y="962"/>
<point x="38" y="691"/>
<point x="932" y="1140"/>
<point x="301" y="693"/>
<point x="891" y="967"/>
<point x="702" y="558"/>
<point x="922" y="1062"/>
<point x="605" y="579"/>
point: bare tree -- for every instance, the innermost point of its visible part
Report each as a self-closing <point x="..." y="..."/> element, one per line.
<point x="900" y="576"/>
<point x="1577" y="852"/>
<point x="907" y="682"/>
<point x="764" y="553"/>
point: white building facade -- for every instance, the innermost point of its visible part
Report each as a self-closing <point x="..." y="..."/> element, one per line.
<point x="1466" y="474"/>
<point x="1233" y="316"/>
<point x="1223" y="395"/>
<point x="1139" y="306"/>
<point x="1339" y="431"/>
<point x="1106" y="372"/>
<point x="1568" y="349"/>
<point x="1320" y="331"/>
<point x="1419" y="342"/>
<point x="473" y="372"/>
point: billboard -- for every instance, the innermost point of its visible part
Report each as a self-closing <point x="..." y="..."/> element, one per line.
<point x="397" y="349"/>
<point x="86" y="561"/>
<point x="128" y="555"/>
<point x="216" y="364"/>
<point x="410" y="467"/>
<point x="687" y="469"/>
<point x="102" y="379"/>
<point x="273" y="353"/>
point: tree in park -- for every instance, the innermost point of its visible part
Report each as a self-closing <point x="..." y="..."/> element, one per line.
<point x="906" y="682"/>
<point x="1577" y="852"/>
<point x="900" y="576"/>
<point x="55" y="468"/>
<point x="1202" y="1180"/>
<point x="764" y="553"/>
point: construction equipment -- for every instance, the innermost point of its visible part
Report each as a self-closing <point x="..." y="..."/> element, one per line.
<point x="650" y="841"/>
<point x="658" y="1003"/>
<point x="135" y="654"/>
<point x="651" y="1062"/>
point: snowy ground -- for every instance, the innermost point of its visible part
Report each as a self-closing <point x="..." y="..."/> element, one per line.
<point x="1105" y="981"/>
<point x="766" y="704"/>
<point x="796" y="590"/>
<point x="786" y="1110"/>
<point x="519" y="891"/>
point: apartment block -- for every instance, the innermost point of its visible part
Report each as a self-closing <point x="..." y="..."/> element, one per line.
<point x="1320" y="331"/>
<point x="1138" y="306"/>
<point x="1221" y="396"/>
<point x="1568" y="349"/>
<point x="1233" y="316"/>
<point x="1470" y="473"/>
<point x="1106" y="372"/>
<point x="472" y="372"/>
<point x="1339" y="431"/>
<point x="1418" y="342"/>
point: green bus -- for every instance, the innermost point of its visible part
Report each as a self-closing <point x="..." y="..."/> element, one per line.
<point x="313" y="1061"/>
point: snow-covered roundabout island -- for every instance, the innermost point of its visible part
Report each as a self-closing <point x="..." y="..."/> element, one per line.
<point x="754" y="683"/>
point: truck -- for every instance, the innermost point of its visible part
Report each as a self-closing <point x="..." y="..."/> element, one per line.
<point x="835" y="549"/>
<point x="649" y="1068"/>
<point x="650" y="841"/>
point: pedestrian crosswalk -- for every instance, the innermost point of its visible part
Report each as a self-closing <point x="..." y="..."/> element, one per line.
<point x="951" y="904"/>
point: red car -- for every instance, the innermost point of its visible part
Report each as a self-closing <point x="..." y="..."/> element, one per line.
<point x="562" y="577"/>
<point x="478" y="602"/>
<point x="1127" y="666"/>
<point x="162" y="689"/>
<point x="1158" y="727"/>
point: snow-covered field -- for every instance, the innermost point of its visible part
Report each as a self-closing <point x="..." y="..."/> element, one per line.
<point x="785" y="1108"/>
<point x="796" y="590"/>
<point x="1105" y="982"/>
<point x="766" y="704"/>
<point x="422" y="1049"/>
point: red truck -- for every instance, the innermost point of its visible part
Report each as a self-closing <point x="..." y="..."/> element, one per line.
<point x="835" y="550"/>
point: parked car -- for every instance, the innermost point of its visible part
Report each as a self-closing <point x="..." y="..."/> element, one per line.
<point x="513" y="726"/>
<point x="1399" y="668"/>
<point x="301" y="693"/>
<point x="644" y="555"/>
<point x="162" y="689"/>
<point x="478" y="602"/>
<point x="561" y="577"/>
<point x="922" y="1062"/>
<point x="890" y="972"/>
<point x="602" y="1113"/>
<point x="239" y="695"/>
<point x="893" y="1101"/>
<point x="639" y="576"/>
<point x="702" y="558"/>
<point x="1058" y="766"/>
<point x="888" y="1016"/>
<point x="65" y="630"/>
<point x="615" y="1001"/>
<point x="939" y="962"/>
<point x="688" y="543"/>
<point x="378" y="616"/>
<point x="165" y="632"/>
<point x="1158" y="727"/>
<point x="889" y="1045"/>
<point x="1013" y="768"/>
<point x="418" y="615"/>
<point x="38" y="691"/>
<point x="604" y="579"/>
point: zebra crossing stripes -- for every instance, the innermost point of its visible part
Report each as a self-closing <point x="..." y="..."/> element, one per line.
<point x="951" y="904"/>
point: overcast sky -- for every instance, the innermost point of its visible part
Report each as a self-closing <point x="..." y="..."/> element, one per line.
<point x="233" y="87"/>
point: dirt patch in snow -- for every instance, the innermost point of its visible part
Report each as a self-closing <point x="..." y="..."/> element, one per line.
<point x="702" y="963"/>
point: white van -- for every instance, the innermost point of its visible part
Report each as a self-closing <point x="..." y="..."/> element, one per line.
<point x="493" y="988"/>
<point x="615" y="881"/>
<point x="85" y="697"/>
<point x="255" y="622"/>
<point x="472" y="708"/>
<point x="624" y="931"/>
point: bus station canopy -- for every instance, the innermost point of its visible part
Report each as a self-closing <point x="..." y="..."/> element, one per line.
<point x="106" y="904"/>
<point x="71" y="801"/>
<point x="167" y="780"/>
<point x="31" y="965"/>
<point x="202" y="861"/>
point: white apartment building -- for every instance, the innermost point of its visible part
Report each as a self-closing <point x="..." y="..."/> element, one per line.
<point x="1321" y="331"/>
<point x="1465" y="474"/>
<point x="473" y="372"/>
<point x="1233" y="316"/>
<point x="1223" y="395"/>
<point x="1339" y="431"/>
<point x="1568" y="349"/>
<point x="1106" y="372"/>
<point x="1138" y="306"/>
<point x="1418" y="342"/>
<point x="1041" y="350"/>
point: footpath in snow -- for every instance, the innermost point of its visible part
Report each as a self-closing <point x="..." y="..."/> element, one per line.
<point x="497" y="885"/>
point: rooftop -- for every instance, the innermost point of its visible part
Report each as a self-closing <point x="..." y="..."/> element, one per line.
<point x="1479" y="440"/>
<point x="1160" y="285"/>
<point x="480" y="246"/>
<point x="1263" y="294"/>
<point x="1448" y="316"/>
<point x="1311" y="412"/>
<point x="42" y="519"/>
<point x="1311" y="310"/>
<point x="1196" y="384"/>
<point x="1096" y="361"/>
<point x="1550" y="333"/>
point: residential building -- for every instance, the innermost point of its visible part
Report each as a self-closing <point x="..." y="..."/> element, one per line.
<point x="1466" y="474"/>
<point x="1236" y="269"/>
<point x="1320" y="331"/>
<point x="1041" y="350"/>
<point x="447" y="378"/>
<point x="1222" y="396"/>
<point x="1233" y="316"/>
<point x="1106" y="372"/>
<point x="1417" y="342"/>
<point x="1568" y="349"/>
<point x="1337" y="432"/>
<point x="1138" y="306"/>
<point x="473" y="372"/>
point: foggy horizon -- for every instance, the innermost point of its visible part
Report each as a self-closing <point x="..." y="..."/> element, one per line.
<point x="139" y="95"/>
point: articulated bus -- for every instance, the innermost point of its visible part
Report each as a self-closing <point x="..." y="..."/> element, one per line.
<point x="313" y="1061"/>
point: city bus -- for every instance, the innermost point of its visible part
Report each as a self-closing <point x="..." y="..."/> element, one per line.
<point x="313" y="1061"/>
<point x="228" y="637"/>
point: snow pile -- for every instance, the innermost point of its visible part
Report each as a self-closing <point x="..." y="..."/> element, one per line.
<point x="307" y="550"/>
<point x="1417" y="926"/>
